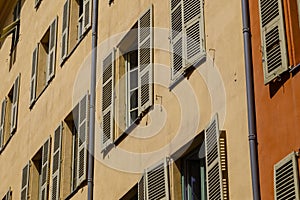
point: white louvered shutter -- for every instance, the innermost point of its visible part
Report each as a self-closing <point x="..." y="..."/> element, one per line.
<point x="286" y="178"/>
<point x="157" y="184"/>
<point x="145" y="60"/>
<point x="34" y="75"/>
<point x="273" y="39"/>
<point x="52" y="50"/>
<point x="25" y="182"/>
<point x="56" y="162"/>
<point x="176" y="37"/>
<point x="108" y="66"/>
<point x="141" y="189"/>
<point x="194" y="32"/>
<point x="82" y="139"/>
<point x="65" y="30"/>
<point x="213" y="161"/>
<point x="2" y="122"/>
<point x="15" y="103"/>
<point x="87" y="12"/>
<point x="44" y="178"/>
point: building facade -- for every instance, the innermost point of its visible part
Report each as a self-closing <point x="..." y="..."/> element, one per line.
<point x="170" y="100"/>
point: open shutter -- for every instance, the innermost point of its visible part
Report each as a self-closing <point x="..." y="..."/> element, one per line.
<point x="8" y="195"/>
<point x="2" y="122"/>
<point x="157" y="184"/>
<point x="194" y="31"/>
<point x="15" y="103"/>
<point x="87" y="11"/>
<point x="25" y="182"/>
<point x="108" y="65"/>
<point x="44" y="179"/>
<point x="52" y="50"/>
<point x="213" y="161"/>
<point x="273" y="39"/>
<point x="65" y="30"/>
<point x="56" y="162"/>
<point x="145" y="60"/>
<point x="33" y="75"/>
<point x="82" y="139"/>
<point x="286" y="178"/>
<point x="141" y="189"/>
<point x="176" y="37"/>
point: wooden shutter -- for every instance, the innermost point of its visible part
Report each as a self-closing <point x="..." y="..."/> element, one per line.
<point x="194" y="32"/>
<point x="2" y="122"/>
<point x="34" y="75"/>
<point x="44" y="180"/>
<point x="286" y="178"/>
<point x="141" y="189"/>
<point x="87" y="12"/>
<point x="15" y="103"/>
<point x="213" y="161"/>
<point x="108" y="66"/>
<point x="145" y="60"/>
<point x="65" y="30"/>
<point x="56" y="162"/>
<point x="273" y="39"/>
<point x="52" y="50"/>
<point x="25" y="182"/>
<point x="157" y="184"/>
<point x="82" y="139"/>
<point x="176" y="37"/>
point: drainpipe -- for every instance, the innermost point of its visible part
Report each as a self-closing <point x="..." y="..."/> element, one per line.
<point x="250" y="100"/>
<point x="91" y="138"/>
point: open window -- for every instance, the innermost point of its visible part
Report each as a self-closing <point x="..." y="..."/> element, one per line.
<point x="8" y="195"/>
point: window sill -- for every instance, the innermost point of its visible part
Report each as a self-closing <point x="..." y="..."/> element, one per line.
<point x="84" y="183"/>
<point x="8" y="140"/>
<point x="35" y="100"/>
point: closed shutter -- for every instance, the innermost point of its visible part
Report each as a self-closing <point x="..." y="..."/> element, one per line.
<point x="157" y="184"/>
<point x="65" y="30"/>
<point x="44" y="178"/>
<point x="15" y="103"/>
<point x="56" y="162"/>
<point x="34" y="75"/>
<point x="25" y="182"/>
<point x="145" y="60"/>
<point x="82" y="139"/>
<point x="213" y="162"/>
<point x="141" y="189"/>
<point x="273" y="39"/>
<point x="52" y="50"/>
<point x="108" y="66"/>
<point x="2" y="122"/>
<point x="286" y="178"/>
<point x="194" y="31"/>
<point x="87" y="11"/>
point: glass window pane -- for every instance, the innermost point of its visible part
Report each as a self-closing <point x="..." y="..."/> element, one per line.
<point x="133" y="79"/>
<point x="133" y="115"/>
<point x="133" y="59"/>
<point x="133" y="99"/>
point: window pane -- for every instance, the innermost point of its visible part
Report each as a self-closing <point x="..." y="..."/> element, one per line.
<point x="133" y="59"/>
<point x="133" y="115"/>
<point x="133" y="79"/>
<point x="133" y="99"/>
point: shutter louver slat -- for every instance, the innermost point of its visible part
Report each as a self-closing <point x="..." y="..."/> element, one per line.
<point x="34" y="75"/>
<point x="45" y="170"/>
<point x="52" y="50"/>
<point x="25" y="182"/>
<point x="65" y="30"/>
<point x="2" y="122"/>
<point x="15" y="102"/>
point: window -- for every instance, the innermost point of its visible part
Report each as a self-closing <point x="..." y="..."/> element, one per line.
<point x="15" y="33"/>
<point x="77" y="17"/>
<point x="187" y="35"/>
<point x="132" y="194"/>
<point x="8" y="195"/>
<point x="132" y="72"/>
<point x="43" y="63"/>
<point x="37" y="3"/>
<point x="9" y="114"/>
<point x="286" y="178"/>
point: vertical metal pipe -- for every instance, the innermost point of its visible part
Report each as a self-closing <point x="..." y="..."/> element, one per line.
<point x="250" y="100"/>
<point x="91" y="138"/>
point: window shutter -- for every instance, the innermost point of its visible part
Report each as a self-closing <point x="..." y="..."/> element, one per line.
<point x="15" y="102"/>
<point x="44" y="180"/>
<point x="194" y="31"/>
<point x="108" y="99"/>
<point x="145" y="60"/>
<point x="56" y="163"/>
<point x="25" y="182"/>
<point x="34" y="75"/>
<point x="273" y="39"/>
<point x="157" y="186"/>
<point x="2" y="122"/>
<point x="141" y="189"/>
<point x="65" y="30"/>
<point x="286" y="178"/>
<point x="8" y="195"/>
<point x="87" y="11"/>
<point x="213" y="161"/>
<point x="176" y="37"/>
<point x="82" y="139"/>
<point x="52" y="50"/>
